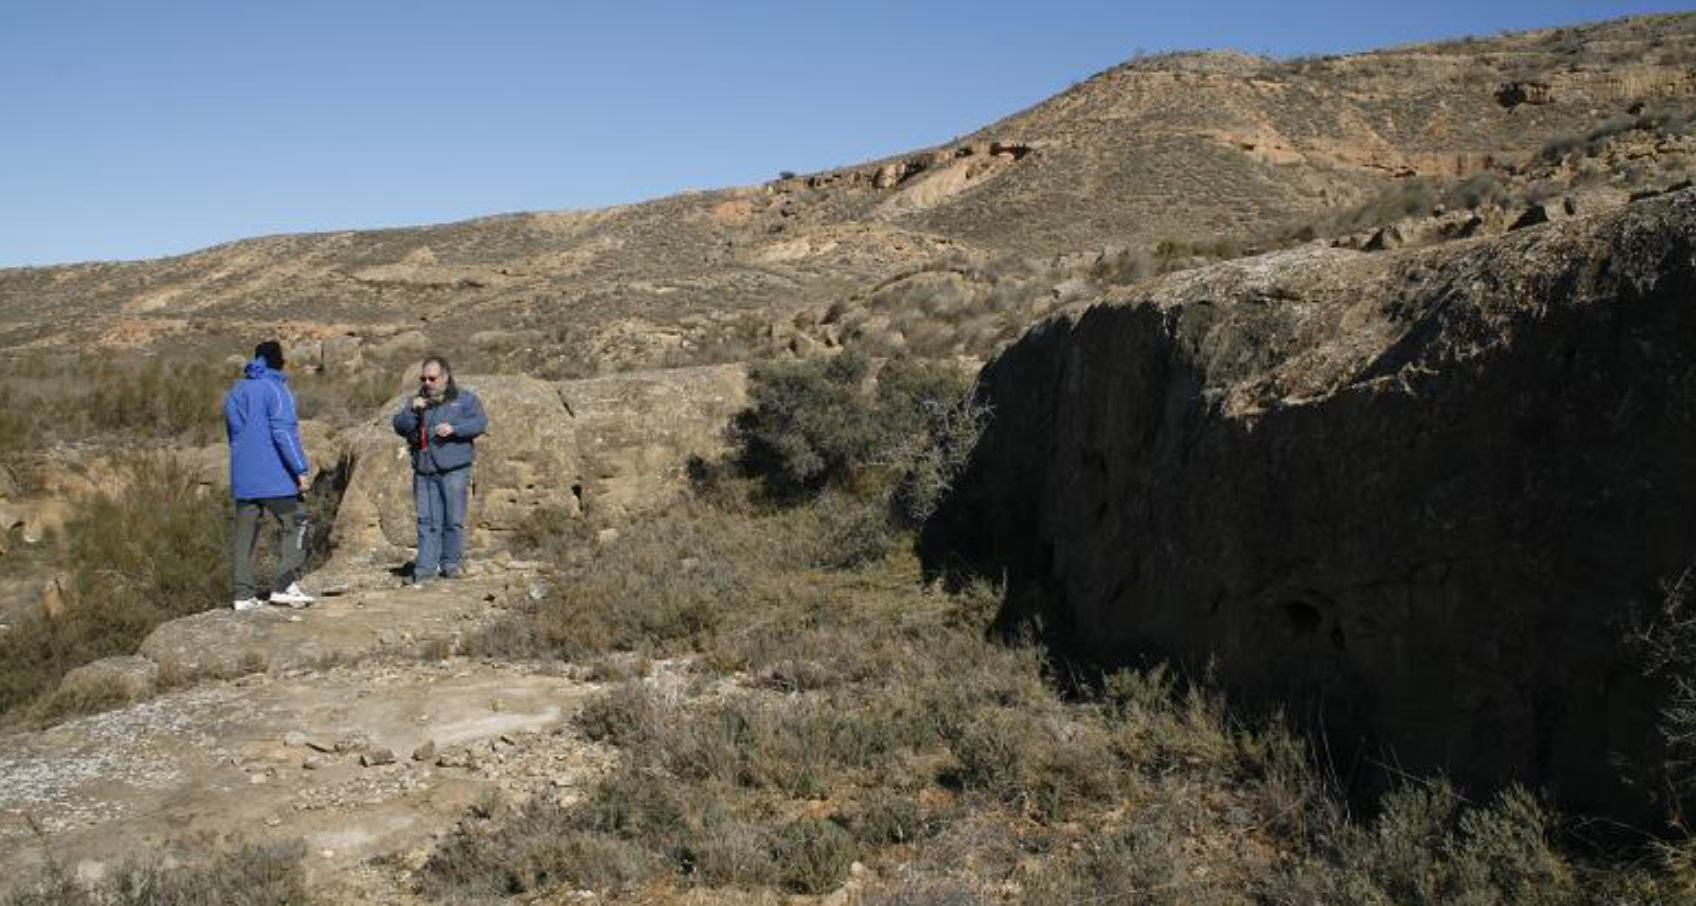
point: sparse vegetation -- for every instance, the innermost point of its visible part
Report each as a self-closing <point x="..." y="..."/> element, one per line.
<point x="809" y="715"/>
<point x="1669" y="646"/>
<point x="117" y="399"/>
<point x="785" y="695"/>
<point x="151" y="550"/>
<point x="246" y="874"/>
<point x="345" y="398"/>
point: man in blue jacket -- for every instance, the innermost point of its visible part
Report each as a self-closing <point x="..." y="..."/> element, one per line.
<point x="441" y="425"/>
<point x="268" y="469"/>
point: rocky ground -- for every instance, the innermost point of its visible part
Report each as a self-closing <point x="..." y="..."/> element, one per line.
<point x="357" y="731"/>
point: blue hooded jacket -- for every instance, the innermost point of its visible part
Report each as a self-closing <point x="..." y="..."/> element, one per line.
<point x="266" y="454"/>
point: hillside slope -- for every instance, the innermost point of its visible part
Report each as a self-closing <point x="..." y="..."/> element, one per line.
<point x="1186" y="148"/>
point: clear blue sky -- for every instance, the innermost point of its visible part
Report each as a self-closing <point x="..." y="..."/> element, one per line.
<point x="136" y="129"/>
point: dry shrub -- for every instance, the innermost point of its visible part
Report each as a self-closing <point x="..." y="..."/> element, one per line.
<point x="68" y="701"/>
<point x="150" y="552"/>
<point x="248" y="874"/>
<point x="926" y="892"/>
<point x="1044" y="764"/>
<point x="664" y="586"/>
<point x="346" y="398"/>
<point x="537" y="847"/>
<point x="813" y="855"/>
<point x="1145" y="864"/>
<point x="833" y="714"/>
<point x="111" y="401"/>
<point x="886" y="817"/>
<point x="1428" y="847"/>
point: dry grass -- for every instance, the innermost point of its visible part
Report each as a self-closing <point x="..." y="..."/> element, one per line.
<point x="45" y="401"/>
<point x="244" y="874"/>
<point x="151" y="552"/>
<point x="815" y="715"/>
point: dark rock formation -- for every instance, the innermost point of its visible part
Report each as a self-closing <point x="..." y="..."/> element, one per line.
<point x="1512" y="94"/>
<point x="1415" y="499"/>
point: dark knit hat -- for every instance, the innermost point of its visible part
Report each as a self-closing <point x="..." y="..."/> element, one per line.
<point x="272" y="352"/>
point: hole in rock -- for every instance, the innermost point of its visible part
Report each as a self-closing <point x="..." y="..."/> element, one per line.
<point x="1302" y="615"/>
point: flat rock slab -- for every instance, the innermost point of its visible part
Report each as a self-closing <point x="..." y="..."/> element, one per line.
<point x="402" y="621"/>
<point x="277" y="757"/>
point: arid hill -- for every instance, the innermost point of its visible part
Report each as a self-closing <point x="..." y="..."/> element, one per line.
<point x="1357" y="388"/>
<point x="1165" y="153"/>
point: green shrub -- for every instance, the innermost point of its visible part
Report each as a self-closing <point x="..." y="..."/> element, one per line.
<point x="663" y="585"/>
<point x="637" y="803"/>
<point x="547" y="530"/>
<point x="1556" y="149"/>
<point x="998" y="750"/>
<point x="947" y="760"/>
<point x="856" y="531"/>
<point x="174" y="401"/>
<point x="1131" y="692"/>
<point x="625" y="715"/>
<point x="810" y="423"/>
<point x="814" y="424"/>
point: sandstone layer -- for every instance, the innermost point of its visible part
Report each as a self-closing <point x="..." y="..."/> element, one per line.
<point x="605" y="448"/>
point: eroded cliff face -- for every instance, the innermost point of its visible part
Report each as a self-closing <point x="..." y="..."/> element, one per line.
<point x="1416" y="500"/>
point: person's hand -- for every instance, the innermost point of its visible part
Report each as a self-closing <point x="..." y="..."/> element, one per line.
<point x="444" y="430"/>
<point x="303" y="483"/>
<point x="419" y="402"/>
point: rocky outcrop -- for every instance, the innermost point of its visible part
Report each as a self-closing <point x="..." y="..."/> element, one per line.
<point x="609" y="446"/>
<point x="526" y="461"/>
<point x="1415" y="498"/>
<point x="1512" y="94"/>
<point x="637" y="432"/>
<point x="353" y="625"/>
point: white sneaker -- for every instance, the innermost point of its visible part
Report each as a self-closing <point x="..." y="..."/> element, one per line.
<point x="247" y="604"/>
<point x="293" y="596"/>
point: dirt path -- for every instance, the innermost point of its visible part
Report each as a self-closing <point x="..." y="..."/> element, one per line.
<point x="320" y="746"/>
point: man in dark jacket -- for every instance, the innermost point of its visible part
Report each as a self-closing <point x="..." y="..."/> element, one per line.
<point x="441" y="425"/>
<point x="268" y="469"/>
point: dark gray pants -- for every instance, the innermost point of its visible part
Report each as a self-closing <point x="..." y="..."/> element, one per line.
<point x="290" y="513"/>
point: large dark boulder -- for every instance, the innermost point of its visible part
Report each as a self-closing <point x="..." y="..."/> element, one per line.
<point x="1415" y="499"/>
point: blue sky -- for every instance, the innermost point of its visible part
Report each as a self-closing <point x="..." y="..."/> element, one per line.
<point x="132" y="129"/>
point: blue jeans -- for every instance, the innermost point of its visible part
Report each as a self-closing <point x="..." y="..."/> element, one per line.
<point x="441" y="502"/>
